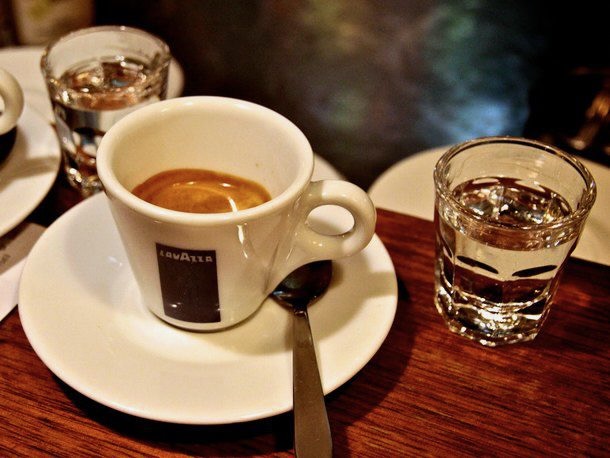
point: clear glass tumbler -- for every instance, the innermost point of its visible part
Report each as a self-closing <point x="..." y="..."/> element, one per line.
<point x="508" y="213"/>
<point x="94" y="77"/>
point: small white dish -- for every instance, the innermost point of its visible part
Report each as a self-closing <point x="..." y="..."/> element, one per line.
<point x="82" y="314"/>
<point x="29" y="170"/>
<point x="408" y="187"/>
<point x="23" y="62"/>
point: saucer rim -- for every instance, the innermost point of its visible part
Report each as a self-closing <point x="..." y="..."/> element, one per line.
<point x="39" y="141"/>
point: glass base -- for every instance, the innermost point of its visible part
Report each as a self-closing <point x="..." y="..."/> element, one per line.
<point x="486" y="328"/>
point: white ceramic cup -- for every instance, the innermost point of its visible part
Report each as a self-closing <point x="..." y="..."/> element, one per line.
<point x="211" y="271"/>
<point x="12" y="98"/>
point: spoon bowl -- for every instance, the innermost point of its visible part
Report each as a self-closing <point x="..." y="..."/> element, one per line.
<point x="304" y="285"/>
<point x="311" y="428"/>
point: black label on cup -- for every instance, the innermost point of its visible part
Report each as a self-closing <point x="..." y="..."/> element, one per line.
<point x="189" y="284"/>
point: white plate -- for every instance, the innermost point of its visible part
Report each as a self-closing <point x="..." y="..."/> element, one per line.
<point x="23" y="63"/>
<point x="82" y="314"/>
<point x="29" y="170"/>
<point x="407" y="187"/>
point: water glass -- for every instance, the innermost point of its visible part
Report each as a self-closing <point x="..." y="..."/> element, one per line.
<point x="508" y="213"/>
<point x="95" y="76"/>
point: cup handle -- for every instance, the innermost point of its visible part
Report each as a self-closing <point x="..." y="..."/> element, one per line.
<point x="303" y="244"/>
<point x="12" y="95"/>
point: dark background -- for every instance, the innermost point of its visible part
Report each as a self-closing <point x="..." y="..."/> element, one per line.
<point x="373" y="81"/>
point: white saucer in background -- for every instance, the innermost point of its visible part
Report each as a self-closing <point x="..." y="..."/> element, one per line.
<point x="81" y="312"/>
<point x="23" y="62"/>
<point x="29" y="170"/>
<point x="322" y="170"/>
<point x="408" y="187"/>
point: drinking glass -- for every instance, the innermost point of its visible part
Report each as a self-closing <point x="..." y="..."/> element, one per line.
<point x="508" y="213"/>
<point x="94" y="77"/>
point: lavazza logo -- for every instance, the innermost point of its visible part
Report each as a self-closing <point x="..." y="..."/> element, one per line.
<point x="184" y="256"/>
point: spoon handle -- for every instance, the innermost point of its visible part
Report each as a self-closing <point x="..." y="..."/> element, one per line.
<point x="311" y="429"/>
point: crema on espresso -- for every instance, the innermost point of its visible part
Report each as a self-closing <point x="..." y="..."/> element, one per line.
<point x="201" y="191"/>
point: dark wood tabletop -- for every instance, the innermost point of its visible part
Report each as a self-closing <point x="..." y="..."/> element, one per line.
<point x="427" y="392"/>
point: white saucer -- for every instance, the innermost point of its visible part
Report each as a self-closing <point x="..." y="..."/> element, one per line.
<point x="81" y="312"/>
<point x="29" y="170"/>
<point x="323" y="170"/>
<point x="407" y="187"/>
<point x="23" y="62"/>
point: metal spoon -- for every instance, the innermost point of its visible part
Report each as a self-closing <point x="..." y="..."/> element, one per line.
<point x="311" y="429"/>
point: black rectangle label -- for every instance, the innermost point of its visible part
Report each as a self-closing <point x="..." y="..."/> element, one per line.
<point x="189" y="284"/>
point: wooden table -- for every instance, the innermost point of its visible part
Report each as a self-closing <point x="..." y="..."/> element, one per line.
<point x="426" y="392"/>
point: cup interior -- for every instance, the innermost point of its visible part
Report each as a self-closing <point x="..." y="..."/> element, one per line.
<point x="212" y="133"/>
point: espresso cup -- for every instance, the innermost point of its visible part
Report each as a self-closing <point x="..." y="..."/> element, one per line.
<point x="208" y="271"/>
<point x="12" y="98"/>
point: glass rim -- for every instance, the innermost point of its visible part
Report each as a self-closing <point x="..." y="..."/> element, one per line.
<point x="575" y="217"/>
<point x="163" y="46"/>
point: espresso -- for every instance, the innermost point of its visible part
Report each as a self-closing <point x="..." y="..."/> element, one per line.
<point x="201" y="191"/>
